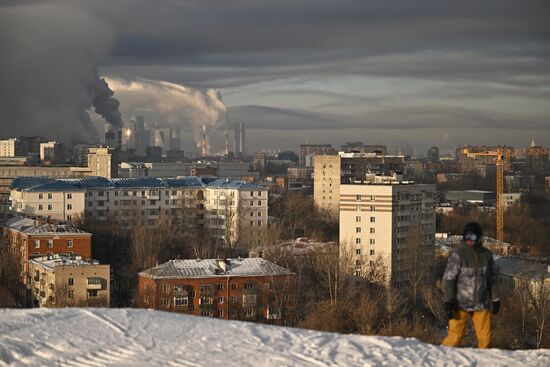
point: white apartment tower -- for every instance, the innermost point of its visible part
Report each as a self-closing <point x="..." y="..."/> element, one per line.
<point x="389" y="222"/>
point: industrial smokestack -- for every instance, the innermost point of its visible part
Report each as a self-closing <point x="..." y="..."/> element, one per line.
<point x="226" y="142"/>
<point x="203" y="140"/>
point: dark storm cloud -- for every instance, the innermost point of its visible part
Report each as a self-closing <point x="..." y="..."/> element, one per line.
<point x="237" y="43"/>
<point x="409" y="118"/>
<point x="48" y="72"/>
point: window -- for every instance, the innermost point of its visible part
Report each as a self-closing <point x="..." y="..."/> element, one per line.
<point x="372" y="230"/>
<point x="372" y="241"/>
<point x="250" y="312"/>
<point x="40" y="196"/>
<point x="358" y="218"/>
<point x="50" y="196"/>
<point x="181" y="301"/>
<point x="259" y="223"/>
<point x="69" y="206"/>
<point x="357" y="229"/>
<point x="49" y="206"/>
<point x="71" y="281"/>
<point x="164" y="288"/>
<point x="70" y="294"/>
<point x="40" y="207"/>
<point x="69" y="243"/>
<point x="251" y="193"/>
<point x="357" y="251"/>
<point x="251" y="214"/>
<point x="248" y="285"/>
<point x="92" y="293"/>
<point x="372" y="198"/>
<point x="252" y="223"/>
<point x="286" y="297"/>
<point x="358" y="208"/>
<point x="251" y="203"/>
<point x="259" y="214"/>
<point x="372" y="219"/>
<point x="165" y="302"/>
<point x="259" y="202"/>
<point x="233" y="286"/>
<point x="357" y="241"/>
<point x="70" y="217"/>
<point x="233" y="299"/>
<point x="371" y="252"/>
<point x="219" y="286"/>
<point x="50" y="243"/>
<point x="358" y="197"/>
<point x="219" y="299"/>
<point x="69" y="196"/>
<point x="36" y="243"/>
<point x="220" y="313"/>
<point x="372" y="208"/>
<point x="357" y="262"/>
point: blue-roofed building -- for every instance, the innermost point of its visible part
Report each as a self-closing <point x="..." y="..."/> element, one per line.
<point x="234" y="212"/>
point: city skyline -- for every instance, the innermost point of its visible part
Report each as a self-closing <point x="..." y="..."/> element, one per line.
<point x="446" y="74"/>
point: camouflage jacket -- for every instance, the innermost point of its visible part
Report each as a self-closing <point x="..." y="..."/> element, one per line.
<point x="469" y="278"/>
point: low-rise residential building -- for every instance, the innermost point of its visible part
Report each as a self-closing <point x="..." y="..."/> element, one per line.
<point x="233" y="289"/>
<point x="232" y="212"/>
<point x="29" y="239"/>
<point x="68" y="281"/>
<point x="393" y="222"/>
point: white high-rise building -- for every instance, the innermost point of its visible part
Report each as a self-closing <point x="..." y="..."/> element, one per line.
<point x="388" y="222"/>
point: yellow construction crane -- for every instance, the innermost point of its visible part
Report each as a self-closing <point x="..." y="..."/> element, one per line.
<point x="502" y="164"/>
<point x="499" y="191"/>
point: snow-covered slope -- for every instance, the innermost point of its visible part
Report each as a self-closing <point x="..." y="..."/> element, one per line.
<point x="131" y="337"/>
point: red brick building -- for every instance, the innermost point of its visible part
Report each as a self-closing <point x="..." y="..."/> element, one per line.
<point x="251" y="289"/>
<point x="29" y="238"/>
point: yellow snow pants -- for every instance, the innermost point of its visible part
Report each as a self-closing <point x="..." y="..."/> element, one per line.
<point x="457" y="327"/>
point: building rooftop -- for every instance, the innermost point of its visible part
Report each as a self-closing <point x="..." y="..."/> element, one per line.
<point x="80" y="184"/>
<point x="229" y="183"/>
<point x="205" y="268"/>
<point x="51" y="261"/>
<point x="521" y="267"/>
<point x="29" y="226"/>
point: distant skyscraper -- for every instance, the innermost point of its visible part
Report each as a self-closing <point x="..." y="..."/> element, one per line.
<point x="237" y="142"/>
<point x="242" y="149"/>
<point x="433" y="154"/>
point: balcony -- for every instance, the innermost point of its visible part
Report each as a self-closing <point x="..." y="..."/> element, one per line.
<point x="94" y="283"/>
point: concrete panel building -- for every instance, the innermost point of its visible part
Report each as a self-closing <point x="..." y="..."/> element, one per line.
<point x="391" y="221"/>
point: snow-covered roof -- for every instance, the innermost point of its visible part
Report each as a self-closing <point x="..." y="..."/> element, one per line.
<point x="298" y="246"/>
<point x="521" y="267"/>
<point x="229" y="183"/>
<point x="51" y="261"/>
<point x="456" y="239"/>
<point x="203" y="268"/>
<point x="29" y="226"/>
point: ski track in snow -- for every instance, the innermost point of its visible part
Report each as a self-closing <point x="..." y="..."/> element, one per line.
<point x="130" y="337"/>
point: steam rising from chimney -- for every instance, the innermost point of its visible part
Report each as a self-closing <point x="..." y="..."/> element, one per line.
<point x="175" y="106"/>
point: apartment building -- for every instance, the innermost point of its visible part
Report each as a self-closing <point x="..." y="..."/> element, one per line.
<point x="68" y="281"/>
<point x="144" y="200"/>
<point x="313" y="149"/>
<point x="392" y="221"/>
<point x="236" y="212"/>
<point x="28" y="238"/>
<point x="330" y="171"/>
<point x="46" y="198"/>
<point x="252" y="289"/>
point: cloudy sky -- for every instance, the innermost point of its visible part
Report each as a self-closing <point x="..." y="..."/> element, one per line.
<point x="418" y="72"/>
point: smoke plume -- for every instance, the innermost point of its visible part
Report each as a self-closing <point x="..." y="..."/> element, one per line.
<point x="48" y="72"/>
<point x="174" y="104"/>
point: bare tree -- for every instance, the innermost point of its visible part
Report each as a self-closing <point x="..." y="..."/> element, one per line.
<point x="416" y="261"/>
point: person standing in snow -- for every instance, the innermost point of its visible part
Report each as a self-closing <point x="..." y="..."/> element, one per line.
<point x="468" y="289"/>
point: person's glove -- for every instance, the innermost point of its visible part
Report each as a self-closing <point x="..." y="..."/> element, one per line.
<point x="496" y="307"/>
<point x="450" y="307"/>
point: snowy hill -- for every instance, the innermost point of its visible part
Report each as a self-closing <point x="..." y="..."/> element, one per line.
<point x="131" y="337"/>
